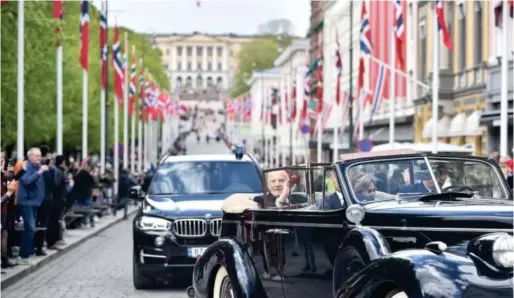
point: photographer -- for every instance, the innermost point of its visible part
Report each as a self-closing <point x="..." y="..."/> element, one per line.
<point x="7" y="193"/>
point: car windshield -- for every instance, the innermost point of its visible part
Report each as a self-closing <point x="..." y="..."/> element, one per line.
<point x="413" y="178"/>
<point x="206" y="177"/>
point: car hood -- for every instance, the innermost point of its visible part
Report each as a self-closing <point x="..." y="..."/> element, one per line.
<point x="186" y="206"/>
<point x="481" y="215"/>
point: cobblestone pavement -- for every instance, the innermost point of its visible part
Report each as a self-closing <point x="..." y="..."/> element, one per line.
<point x="99" y="268"/>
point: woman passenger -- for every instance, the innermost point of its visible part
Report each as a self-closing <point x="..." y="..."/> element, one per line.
<point x="364" y="186"/>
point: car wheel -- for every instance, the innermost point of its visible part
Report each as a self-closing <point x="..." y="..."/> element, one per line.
<point x="223" y="285"/>
<point x="140" y="282"/>
<point x="396" y="294"/>
<point x="346" y="264"/>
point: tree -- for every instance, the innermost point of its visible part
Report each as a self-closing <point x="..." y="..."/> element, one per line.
<point x="255" y="55"/>
<point x="40" y="74"/>
<point x="276" y="27"/>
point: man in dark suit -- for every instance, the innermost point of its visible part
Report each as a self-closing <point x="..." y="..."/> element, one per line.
<point x="335" y="200"/>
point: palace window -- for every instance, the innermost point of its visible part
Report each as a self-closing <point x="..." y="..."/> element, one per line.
<point x="189" y="51"/>
<point x="209" y="51"/>
<point x="219" y="51"/>
<point x="478" y="34"/>
<point x="179" y="51"/>
<point x="423" y="49"/>
<point x="462" y="35"/>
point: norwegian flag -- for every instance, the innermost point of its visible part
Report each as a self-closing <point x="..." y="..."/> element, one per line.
<point x="3" y="2"/>
<point x="366" y="48"/>
<point x="498" y="12"/>
<point x="292" y="107"/>
<point x="230" y="111"/>
<point x="84" y="34"/>
<point x="132" y="87"/>
<point x="146" y="100"/>
<point x="247" y="114"/>
<point x="319" y="79"/>
<point x="399" y="32"/>
<point x="379" y="89"/>
<point x="117" y="61"/>
<point x="274" y="115"/>
<point x="439" y="10"/>
<point x="306" y="92"/>
<point x="103" y="45"/>
<point x="58" y="16"/>
<point x="339" y="67"/>
<point x="286" y="102"/>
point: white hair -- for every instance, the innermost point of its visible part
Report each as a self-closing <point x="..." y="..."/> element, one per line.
<point x="32" y="150"/>
<point x="284" y="173"/>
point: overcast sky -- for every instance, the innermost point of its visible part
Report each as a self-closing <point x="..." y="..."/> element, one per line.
<point x="213" y="16"/>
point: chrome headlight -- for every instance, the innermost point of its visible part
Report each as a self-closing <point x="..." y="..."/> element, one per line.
<point x="153" y="223"/>
<point x="355" y="213"/>
<point x="503" y="251"/>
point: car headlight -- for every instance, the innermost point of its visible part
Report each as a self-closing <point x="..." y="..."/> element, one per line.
<point x="503" y="251"/>
<point x="153" y="223"/>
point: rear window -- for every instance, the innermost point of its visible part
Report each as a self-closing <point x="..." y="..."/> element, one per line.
<point x="205" y="177"/>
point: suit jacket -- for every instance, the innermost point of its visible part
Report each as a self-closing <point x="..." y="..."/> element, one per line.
<point x="331" y="202"/>
<point x="260" y="200"/>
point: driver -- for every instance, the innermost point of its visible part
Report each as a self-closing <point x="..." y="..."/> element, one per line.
<point x="427" y="184"/>
<point x="278" y="190"/>
<point x="235" y="184"/>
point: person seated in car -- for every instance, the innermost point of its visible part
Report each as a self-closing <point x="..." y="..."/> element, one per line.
<point x="365" y="186"/>
<point x="426" y="185"/>
<point x="235" y="184"/>
<point x="335" y="200"/>
<point x="278" y="192"/>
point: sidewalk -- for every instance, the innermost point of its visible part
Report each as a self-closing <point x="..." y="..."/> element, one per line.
<point x="73" y="238"/>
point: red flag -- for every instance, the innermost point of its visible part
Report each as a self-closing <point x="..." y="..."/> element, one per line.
<point x="293" y="99"/>
<point x="117" y="61"/>
<point x="3" y="2"/>
<point x="439" y="10"/>
<point x="339" y="67"/>
<point x="132" y="87"/>
<point x="103" y="46"/>
<point x="58" y="16"/>
<point x="84" y="34"/>
<point x="399" y="32"/>
<point x="319" y="79"/>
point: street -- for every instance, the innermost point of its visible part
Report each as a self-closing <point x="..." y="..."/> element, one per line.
<point x="102" y="266"/>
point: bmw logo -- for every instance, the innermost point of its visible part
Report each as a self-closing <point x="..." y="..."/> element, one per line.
<point x="208" y="215"/>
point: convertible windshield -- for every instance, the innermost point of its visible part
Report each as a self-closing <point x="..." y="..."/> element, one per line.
<point x="206" y="177"/>
<point x="411" y="178"/>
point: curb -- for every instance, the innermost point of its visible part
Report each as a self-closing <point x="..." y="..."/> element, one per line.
<point x="7" y="281"/>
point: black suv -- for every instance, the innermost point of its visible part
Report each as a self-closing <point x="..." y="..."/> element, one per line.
<point x="181" y="213"/>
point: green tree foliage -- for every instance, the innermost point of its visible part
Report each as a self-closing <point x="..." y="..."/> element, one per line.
<point x="40" y="74"/>
<point x="257" y="54"/>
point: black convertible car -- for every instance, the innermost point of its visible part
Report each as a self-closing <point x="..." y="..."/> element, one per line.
<point x="181" y="212"/>
<point x="380" y="225"/>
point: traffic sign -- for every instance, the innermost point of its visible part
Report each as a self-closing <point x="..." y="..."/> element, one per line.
<point x="365" y="145"/>
<point x="305" y="129"/>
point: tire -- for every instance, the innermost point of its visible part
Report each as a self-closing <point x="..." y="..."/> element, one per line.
<point x="396" y="294"/>
<point x="347" y="263"/>
<point x="140" y="282"/>
<point x="222" y="285"/>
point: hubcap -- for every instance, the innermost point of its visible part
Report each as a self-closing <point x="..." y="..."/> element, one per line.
<point x="226" y="289"/>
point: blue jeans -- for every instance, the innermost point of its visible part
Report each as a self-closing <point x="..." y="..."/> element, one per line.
<point x="123" y="201"/>
<point x="88" y="203"/>
<point x="305" y="235"/>
<point x="28" y="213"/>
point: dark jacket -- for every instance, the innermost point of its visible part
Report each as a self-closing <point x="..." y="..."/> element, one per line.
<point x="31" y="188"/>
<point x="49" y="179"/>
<point x="124" y="185"/>
<point x="59" y="192"/>
<point x="83" y="187"/>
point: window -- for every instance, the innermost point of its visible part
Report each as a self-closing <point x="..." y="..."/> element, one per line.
<point x="199" y="51"/>
<point x="165" y="67"/>
<point x="203" y="177"/>
<point x="451" y="15"/>
<point x="423" y="49"/>
<point x="179" y="81"/>
<point x="189" y="51"/>
<point x="209" y="81"/>
<point x="219" y="51"/>
<point x="189" y="68"/>
<point x="478" y="34"/>
<point x="209" y="51"/>
<point x="189" y="81"/>
<point x="167" y="52"/>
<point x="462" y="36"/>
<point x="199" y="66"/>
<point x="179" y="66"/>
<point x="209" y="66"/>
<point x="231" y="53"/>
<point x="219" y="81"/>
<point x="220" y="66"/>
<point x="179" y="51"/>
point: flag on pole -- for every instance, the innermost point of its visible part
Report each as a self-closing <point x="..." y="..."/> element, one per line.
<point x="379" y="89"/>
<point x="132" y="86"/>
<point x="293" y="99"/>
<point x="103" y="46"/>
<point x="339" y="68"/>
<point x="498" y="12"/>
<point x="84" y="34"/>
<point x="439" y="10"/>
<point x="366" y="47"/>
<point x="306" y="98"/>
<point x="399" y="33"/>
<point x="117" y="61"/>
<point x="3" y="2"/>
<point x="319" y="78"/>
<point x="58" y="17"/>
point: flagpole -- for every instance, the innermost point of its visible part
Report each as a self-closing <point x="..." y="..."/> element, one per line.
<point x="350" y="89"/>
<point x="361" y="113"/>
<point x="504" y="120"/>
<point x="125" y="103"/>
<point x="435" y="81"/>
<point x="84" y="113"/>
<point x="59" y="101"/>
<point x="320" y="135"/>
<point x="20" y="150"/>
<point x="102" y="92"/>
<point x="106" y="118"/>
<point x="392" y="81"/>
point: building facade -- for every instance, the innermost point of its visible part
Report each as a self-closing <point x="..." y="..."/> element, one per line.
<point x="491" y="116"/>
<point x="463" y="72"/>
<point x="200" y="65"/>
<point x="292" y="72"/>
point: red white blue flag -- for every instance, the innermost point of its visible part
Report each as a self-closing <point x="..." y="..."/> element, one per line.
<point x="84" y="34"/>
<point x="117" y="61"/>
<point x="103" y="46"/>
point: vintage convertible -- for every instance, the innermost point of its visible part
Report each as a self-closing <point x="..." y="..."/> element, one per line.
<point x="372" y="225"/>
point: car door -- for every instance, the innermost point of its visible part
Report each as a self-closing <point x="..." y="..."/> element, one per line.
<point x="291" y="244"/>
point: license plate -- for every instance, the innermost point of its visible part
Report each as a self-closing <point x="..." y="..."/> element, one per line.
<point x="195" y="252"/>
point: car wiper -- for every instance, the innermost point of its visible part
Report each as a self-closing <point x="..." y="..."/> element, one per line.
<point x="445" y="196"/>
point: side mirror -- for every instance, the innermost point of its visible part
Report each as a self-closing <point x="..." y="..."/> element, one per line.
<point x="135" y="192"/>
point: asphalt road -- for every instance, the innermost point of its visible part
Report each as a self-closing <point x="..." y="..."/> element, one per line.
<point x="102" y="266"/>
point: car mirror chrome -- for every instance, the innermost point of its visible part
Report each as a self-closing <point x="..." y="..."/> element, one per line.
<point x="355" y="213"/>
<point x="437" y="247"/>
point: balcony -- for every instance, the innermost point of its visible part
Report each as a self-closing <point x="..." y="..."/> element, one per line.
<point x="492" y="92"/>
<point x="471" y="79"/>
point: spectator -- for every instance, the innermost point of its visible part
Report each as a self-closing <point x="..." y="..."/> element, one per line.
<point x="30" y="195"/>
<point x="7" y="193"/>
<point x="82" y="191"/>
<point x="124" y="185"/>
<point x="44" y="210"/>
<point x="495" y="156"/>
<point x="53" y="233"/>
